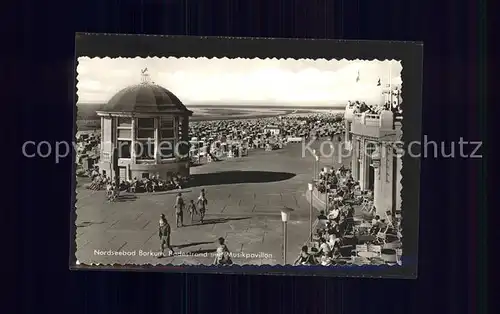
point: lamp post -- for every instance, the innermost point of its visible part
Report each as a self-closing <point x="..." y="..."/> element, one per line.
<point x="310" y="188"/>
<point x="326" y="200"/>
<point x="316" y="174"/>
<point x="332" y="147"/>
<point x="314" y="164"/>
<point x="376" y="160"/>
<point x="285" y="215"/>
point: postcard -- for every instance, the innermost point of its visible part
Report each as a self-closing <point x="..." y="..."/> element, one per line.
<point x="246" y="156"/>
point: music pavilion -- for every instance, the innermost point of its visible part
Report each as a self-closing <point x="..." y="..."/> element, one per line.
<point x="134" y="123"/>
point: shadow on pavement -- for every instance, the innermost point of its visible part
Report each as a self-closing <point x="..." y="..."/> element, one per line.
<point x="175" y="192"/>
<point x="234" y="177"/>
<point x="222" y="220"/>
<point x="89" y="223"/>
<point x="182" y="246"/>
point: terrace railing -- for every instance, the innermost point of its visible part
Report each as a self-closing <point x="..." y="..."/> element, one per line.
<point x="372" y="125"/>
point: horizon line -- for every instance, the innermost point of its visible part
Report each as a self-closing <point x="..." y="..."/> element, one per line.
<point x="244" y="104"/>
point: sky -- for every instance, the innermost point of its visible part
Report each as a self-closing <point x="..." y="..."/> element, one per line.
<point x="199" y="81"/>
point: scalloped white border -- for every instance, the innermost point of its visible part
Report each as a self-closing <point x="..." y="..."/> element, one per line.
<point x="239" y="58"/>
<point x="231" y="267"/>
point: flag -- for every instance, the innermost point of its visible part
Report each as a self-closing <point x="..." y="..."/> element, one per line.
<point x="143" y="71"/>
<point x="357" y="78"/>
<point x="378" y="83"/>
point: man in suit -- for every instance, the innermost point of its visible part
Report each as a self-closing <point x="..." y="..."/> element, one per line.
<point x="179" y="210"/>
<point x="164" y="234"/>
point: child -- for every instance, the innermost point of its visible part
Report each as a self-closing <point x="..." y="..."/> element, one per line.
<point x="192" y="210"/>
<point x="109" y="192"/>
<point x="202" y="200"/>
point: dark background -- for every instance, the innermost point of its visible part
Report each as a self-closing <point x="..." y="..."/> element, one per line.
<point x="37" y="85"/>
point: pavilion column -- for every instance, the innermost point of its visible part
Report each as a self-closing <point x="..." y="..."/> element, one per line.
<point x="114" y="146"/>
<point x="133" y="142"/>
<point x="102" y="130"/>
<point x="114" y="132"/>
<point x="185" y="128"/>
<point x="184" y="136"/>
<point x="102" y="139"/>
<point x="128" y="174"/>
<point x="177" y="135"/>
<point x="157" y="141"/>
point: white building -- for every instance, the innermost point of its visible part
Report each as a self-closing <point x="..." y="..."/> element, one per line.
<point x="375" y="163"/>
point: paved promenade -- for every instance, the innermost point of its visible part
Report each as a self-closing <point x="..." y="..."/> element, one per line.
<point x="245" y="197"/>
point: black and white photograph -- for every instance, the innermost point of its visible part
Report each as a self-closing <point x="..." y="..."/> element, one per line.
<point x="218" y="161"/>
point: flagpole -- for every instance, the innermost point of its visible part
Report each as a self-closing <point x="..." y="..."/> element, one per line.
<point x="390" y="99"/>
<point x="390" y="73"/>
<point x="390" y="82"/>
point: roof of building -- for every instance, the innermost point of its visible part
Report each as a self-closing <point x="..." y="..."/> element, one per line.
<point x="146" y="98"/>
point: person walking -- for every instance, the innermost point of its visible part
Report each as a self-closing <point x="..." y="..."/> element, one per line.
<point x="179" y="210"/>
<point x="202" y="201"/>
<point x="192" y="210"/>
<point x="164" y="234"/>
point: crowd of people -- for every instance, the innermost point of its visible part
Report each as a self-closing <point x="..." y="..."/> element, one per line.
<point x="250" y="134"/>
<point x="87" y="151"/>
<point x="362" y="107"/>
<point x="344" y="235"/>
<point x="219" y="139"/>
<point x="144" y="185"/>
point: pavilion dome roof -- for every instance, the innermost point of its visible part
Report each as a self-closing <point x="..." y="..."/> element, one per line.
<point x="146" y="98"/>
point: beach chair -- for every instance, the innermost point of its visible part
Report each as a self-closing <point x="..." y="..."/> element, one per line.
<point x="381" y="235"/>
<point x="399" y="253"/>
<point x="377" y="249"/>
<point x="109" y="195"/>
<point x="367" y="204"/>
<point x="389" y="220"/>
<point x="360" y="248"/>
<point x="132" y="188"/>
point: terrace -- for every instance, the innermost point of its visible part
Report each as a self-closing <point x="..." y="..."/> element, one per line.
<point x="374" y="125"/>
